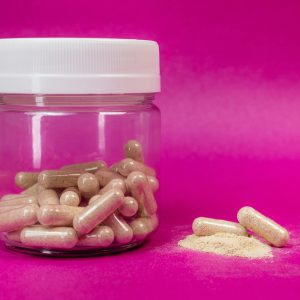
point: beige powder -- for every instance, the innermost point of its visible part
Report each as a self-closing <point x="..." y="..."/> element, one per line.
<point x="227" y="244"/>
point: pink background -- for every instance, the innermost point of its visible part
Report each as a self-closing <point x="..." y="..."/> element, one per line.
<point x="231" y="137"/>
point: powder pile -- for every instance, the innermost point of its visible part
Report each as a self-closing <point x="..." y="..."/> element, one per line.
<point x="227" y="244"/>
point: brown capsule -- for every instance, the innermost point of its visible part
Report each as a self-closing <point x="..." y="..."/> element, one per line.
<point x="263" y="226"/>
<point x="123" y="232"/>
<point x="114" y="184"/>
<point x="154" y="183"/>
<point x="49" y="238"/>
<point x="89" y="167"/>
<point x="25" y="180"/>
<point x="33" y="190"/>
<point x="14" y="236"/>
<point x="141" y="190"/>
<point x="105" y="176"/>
<point x="97" y="211"/>
<point x="59" y="179"/>
<point x="141" y="228"/>
<point x="88" y="185"/>
<point x="48" y="196"/>
<point x="20" y="201"/>
<point x="57" y="215"/>
<point x="129" y="208"/>
<point x="70" y="196"/>
<point x="207" y="226"/>
<point x="18" y="218"/>
<point x="133" y="149"/>
<point x="101" y="236"/>
<point x="128" y="165"/>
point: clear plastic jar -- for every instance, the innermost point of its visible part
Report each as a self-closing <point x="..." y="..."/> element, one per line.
<point x="71" y="101"/>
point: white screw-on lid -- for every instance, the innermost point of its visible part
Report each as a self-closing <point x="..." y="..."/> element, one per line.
<point x="78" y="66"/>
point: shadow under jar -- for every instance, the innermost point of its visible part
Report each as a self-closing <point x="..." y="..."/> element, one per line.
<point x="80" y="142"/>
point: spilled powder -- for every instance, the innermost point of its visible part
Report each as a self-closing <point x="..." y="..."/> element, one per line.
<point x="227" y="244"/>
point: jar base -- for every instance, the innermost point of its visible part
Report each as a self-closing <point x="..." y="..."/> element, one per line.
<point x="74" y="252"/>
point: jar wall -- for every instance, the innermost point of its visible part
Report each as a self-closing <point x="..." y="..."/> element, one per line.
<point x="47" y="132"/>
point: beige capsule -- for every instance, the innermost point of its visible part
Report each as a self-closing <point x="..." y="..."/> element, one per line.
<point x="117" y="183"/>
<point x="114" y="167"/>
<point x="11" y="196"/>
<point x="48" y="196"/>
<point x="18" y="218"/>
<point x="141" y="190"/>
<point x="133" y="149"/>
<point x="70" y="196"/>
<point x="129" y="208"/>
<point x="20" y="201"/>
<point x="97" y="211"/>
<point x="128" y="165"/>
<point x="141" y="228"/>
<point x="4" y="209"/>
<point x="207" y="226"/>
<point x="123" y="232"/>
<point x="263" y="226"/>
<point x="101" y="236"/>
<point x="25" y="180"/>
<point x="53" y="179"/>
<point x="88" y="185"/>
<point x="105" y="176"/>
<point x="49" y="238"/>
<point x="33" y="190"/>
<point x="154" y="183"/>
<point x="90" y="167"/>
<point x="57" y="215"/>
<point x="14" y="236"/>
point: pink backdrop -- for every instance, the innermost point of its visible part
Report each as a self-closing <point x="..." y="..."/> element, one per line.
<point x="231" y="133"/>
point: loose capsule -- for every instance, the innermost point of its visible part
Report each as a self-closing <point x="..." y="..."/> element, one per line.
<point x="97" y="211"/>
<point x="101" y="236"/>
<point x="70" y="196"/>
<point x="59" y="179"/>
<point x="128" y="165"/>
<point x="57" y="215"/>
<point x="88" y="185"/>
<point x="18" y="218"/>
<point x="207" y="226"/>
<point x="142" y="192"/>
<point x="263" y="226"/>
<point x="133" y="149"/>
<point x="49" y="238"/>
<point x="20" y="201"/>
<point x="129" y="207"/>
<point x="25" y="180"/>
<point x="114" y="184"/>
<point x="89" y="167"/>
<point x="105" y="176"/>
<point x="48" y="196"/>
<point x="154" y="183"/>
<point x="141" y="228"/>
<point x="123" y="232"/>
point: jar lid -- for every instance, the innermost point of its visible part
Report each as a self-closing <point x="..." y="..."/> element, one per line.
<point x="78" y="66"/>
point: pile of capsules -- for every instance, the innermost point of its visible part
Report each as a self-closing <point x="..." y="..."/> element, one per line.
<point x="83" y="205"/>
<point x="249" y="219"/>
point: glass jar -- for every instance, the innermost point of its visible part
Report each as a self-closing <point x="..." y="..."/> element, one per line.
<point x="79" y="149"/>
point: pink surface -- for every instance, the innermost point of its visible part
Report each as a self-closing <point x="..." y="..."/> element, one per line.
<point x="231" y="136"/>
